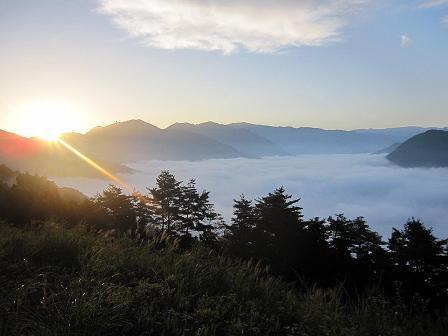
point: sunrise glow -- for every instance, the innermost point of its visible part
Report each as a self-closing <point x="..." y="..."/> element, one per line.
<point x="47" y="119"/>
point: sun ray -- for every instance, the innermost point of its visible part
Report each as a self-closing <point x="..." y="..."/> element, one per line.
<point x="96" y="166"/>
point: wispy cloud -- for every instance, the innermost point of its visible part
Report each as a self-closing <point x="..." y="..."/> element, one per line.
<point x="433" y="3"/>
<point x="405" y="41"/>
<point x="260" y="26"/>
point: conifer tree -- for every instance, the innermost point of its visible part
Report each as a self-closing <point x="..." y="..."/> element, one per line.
<point x="342" y="236"/>
<point x="367" y="244"/>
<point x="240" y="235"/>
<point x="165" y="200"/>
<point x="144" y="213"/>
<point x="415" y="247"/>
<point x="421" y="265"/>
<point x="119" y="208"/>
<point x="279" y="230"/>
<point x="193" y="208"/>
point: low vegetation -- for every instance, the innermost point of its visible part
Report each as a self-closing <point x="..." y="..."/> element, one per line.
<point x="58" y="281"/>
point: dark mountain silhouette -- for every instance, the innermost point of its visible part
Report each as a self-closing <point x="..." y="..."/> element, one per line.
<point x="429" y="149"/>
<point x="388" y="149"/>
<point x="242" y="139"/>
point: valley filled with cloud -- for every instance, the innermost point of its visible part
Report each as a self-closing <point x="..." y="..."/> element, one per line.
<point x="356" y="185"/>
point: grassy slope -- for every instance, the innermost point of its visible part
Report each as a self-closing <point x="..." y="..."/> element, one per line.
<point x="67" y="282"/>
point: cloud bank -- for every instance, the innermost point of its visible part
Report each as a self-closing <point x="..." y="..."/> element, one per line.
<point x="356" y="185"/>
<point x="259" y="26"/>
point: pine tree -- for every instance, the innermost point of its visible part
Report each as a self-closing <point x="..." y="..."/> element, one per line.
<point x="193" y="208"/>
<point x="119" y="208"/>
<point x="34" y="198"/>
<point x="342" y="236"/>
<point x="144" y="213"/>
<point x="415" y="247"/>
<point x="240" y="235"/>
<point x="165" y="200"/>
<point x="279" y="230"/>
<point x="367" y="244"/>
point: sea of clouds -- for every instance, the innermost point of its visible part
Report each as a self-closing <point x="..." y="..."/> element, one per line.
<point x="356" y="185"/>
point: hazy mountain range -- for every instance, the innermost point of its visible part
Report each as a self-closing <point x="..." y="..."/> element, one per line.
<point x="135" y="140"/>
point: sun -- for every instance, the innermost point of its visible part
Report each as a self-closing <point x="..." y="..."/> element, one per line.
<point x="47" y="120"/>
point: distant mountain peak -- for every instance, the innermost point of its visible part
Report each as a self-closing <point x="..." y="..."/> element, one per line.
<point x="180" y="125"/>
<point x="132" y="123"/>
<point x="211" y="123"/>
<point x="124" y="127"/>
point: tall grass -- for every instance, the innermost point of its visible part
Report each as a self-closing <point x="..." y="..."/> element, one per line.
<point x="56" y="281"/>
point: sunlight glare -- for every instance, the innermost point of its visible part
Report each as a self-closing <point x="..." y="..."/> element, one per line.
<point x="47" y="120"/>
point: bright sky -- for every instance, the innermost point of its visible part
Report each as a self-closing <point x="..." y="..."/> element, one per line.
<point x="325" y="63"/>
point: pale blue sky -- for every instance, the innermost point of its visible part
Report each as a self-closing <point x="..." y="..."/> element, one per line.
<point x="333" y="64"/>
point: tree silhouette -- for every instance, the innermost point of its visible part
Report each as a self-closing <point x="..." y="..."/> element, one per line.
<point x="240" y="235"/>
<point x="34" y="198"/>
<point x="421" y="262"/>
<point x="165" y="200"/>
<point x="119" y="209"/>
<point x="193" y="208"/>
<point x="416" y="248"/>
<point x="279" y="229"/>
<point x="366" y="243"/>
<point x="144" y="213"/>
<point x="6" y="174"/>
<point x="317" y="262"/>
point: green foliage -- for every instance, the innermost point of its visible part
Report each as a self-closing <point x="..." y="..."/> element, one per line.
<point x="165" y="199"/>
<point x="181" y="208"/>
<point x="118" y="208"/>
<point x="57" y="281"/>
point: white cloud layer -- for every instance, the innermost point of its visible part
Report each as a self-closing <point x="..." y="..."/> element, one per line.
<point x="357" y="185"/>
<point x="260" y="26"/>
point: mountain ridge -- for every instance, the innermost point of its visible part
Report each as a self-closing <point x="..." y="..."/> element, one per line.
<point x="134" y="140"/>
<point x="428" y="149"/>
